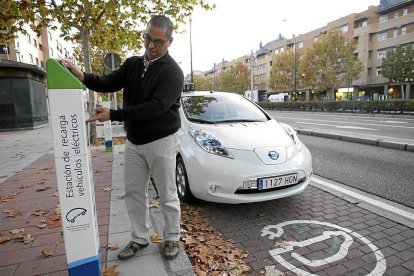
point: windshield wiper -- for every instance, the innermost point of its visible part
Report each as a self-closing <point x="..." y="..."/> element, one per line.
<point x="238" y="121"/>
<point x="201" y="121"/>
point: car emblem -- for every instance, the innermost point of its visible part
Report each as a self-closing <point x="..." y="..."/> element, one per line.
<point x="273" y="155"/>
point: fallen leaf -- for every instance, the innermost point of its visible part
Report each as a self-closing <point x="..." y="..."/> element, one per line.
<point x="157" y="238"/>
<point x="98" y="170"/>
<point x="47" y="168"/>
<point x="12" y="213"/>
<point x="55" y="194"/>
<point x="110" y="271"/>
<point x="53" y="221"/>
<point x="17" y="230"/>
<point x="25" y="238"/>
<point x="40" y="212"/>
<point x="112" y="246"/>
<point x="154" y="204"/>
<point x="58" y="211"/>
<point x="283" y="244"/>
<point x="43" y="221"/>
<point x="23" y="186"/>
<point x="106" y="189"/>
<point x="47" y="253"/>
<point x="120" y="197"/>
<point x="42" y="188"/>
<point x="35" y="172"/>
<point x="5" y="198"/>
<point x="110" y="160"/>
<point x="41" y="226"/>
<point x="4" y="239"/>
<point x="41" y="182"/>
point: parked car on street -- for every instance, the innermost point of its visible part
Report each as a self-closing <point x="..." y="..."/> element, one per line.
<point x="232" y="151"/>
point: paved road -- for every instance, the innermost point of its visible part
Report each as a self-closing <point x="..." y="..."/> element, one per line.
<point x="380" y="125"/>
<point x="387" y="173"/>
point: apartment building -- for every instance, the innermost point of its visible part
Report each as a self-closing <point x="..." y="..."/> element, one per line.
<point x="35" y="49"/>
<point x="376" y="30"/>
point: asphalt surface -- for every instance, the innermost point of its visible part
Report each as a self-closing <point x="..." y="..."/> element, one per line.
<point x="384" y="172"/>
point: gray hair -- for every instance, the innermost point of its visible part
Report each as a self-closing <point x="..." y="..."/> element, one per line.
<point x="161" y="21"/>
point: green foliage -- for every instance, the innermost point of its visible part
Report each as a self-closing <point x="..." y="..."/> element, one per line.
<point x="390" y="106"/>
<point x="235" y="79"/>
<point x="281" y="75"/>
<point x="398" y="65"/>
<point x="330" y="62"/>
<point x="111" y="25"/>
<point x="201" y="83"/>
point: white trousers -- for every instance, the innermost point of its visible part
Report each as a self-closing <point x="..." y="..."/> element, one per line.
<point x="157" y="158"/>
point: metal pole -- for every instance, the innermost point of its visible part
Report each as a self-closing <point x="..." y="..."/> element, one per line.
<point x="113" y="69"/>
<point x="251" y="75"/>
<point x="294" y="65"/>
<point x="191" y="56"/>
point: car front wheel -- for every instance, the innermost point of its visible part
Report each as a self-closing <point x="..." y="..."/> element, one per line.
<point x="181" y="180"/>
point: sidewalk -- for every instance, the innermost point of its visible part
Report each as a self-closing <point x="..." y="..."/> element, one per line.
<point x="30" y="218"/>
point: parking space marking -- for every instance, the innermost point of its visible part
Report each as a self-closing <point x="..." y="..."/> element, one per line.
<point x="276" y="231"/>
<point x="371" y="201"/>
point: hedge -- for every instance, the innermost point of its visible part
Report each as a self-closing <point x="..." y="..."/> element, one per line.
<point x="389" y="106"/>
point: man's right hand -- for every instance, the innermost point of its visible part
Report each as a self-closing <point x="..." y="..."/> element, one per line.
<point x="73" y="69"/>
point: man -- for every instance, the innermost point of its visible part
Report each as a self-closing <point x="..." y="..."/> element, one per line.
<point x="152" y="87"/>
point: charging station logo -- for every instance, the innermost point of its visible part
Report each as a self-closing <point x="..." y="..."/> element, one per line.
<point x="73" y="214"/>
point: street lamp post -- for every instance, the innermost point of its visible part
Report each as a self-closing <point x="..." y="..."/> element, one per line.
<point x="294" y="65"/>
<point x="252" y="61"/>
<point x="191" y="56"/>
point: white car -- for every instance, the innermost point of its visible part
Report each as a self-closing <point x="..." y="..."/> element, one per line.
<point x="232" y="151"/>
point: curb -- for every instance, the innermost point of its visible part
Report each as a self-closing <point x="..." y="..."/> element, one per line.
<point x="180" y="266"/>
<point x="379" y="142"/>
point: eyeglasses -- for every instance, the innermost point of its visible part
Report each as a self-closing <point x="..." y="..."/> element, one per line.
<point x="156" y="42"/>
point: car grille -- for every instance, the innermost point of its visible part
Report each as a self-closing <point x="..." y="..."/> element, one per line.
<point x="256" y="191"/>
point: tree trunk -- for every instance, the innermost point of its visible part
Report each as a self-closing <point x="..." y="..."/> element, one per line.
<point x="402" y="91"/>
<point x="87" y="64"/>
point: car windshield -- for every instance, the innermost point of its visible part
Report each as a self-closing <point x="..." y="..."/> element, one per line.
<point x="221" y="108"/>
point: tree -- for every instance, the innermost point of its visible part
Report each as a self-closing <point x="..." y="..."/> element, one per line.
<point x="106" y="24"/>
<point x="330" y="62"/>
<point x="235" y="79"/>
<point x="398" y="66"/>
<point x="282" y="72"/>
<point x="201" y="83"/>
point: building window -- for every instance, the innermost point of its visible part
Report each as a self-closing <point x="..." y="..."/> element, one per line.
<point x="397" y="14"/>
<point x="37" y="61"/>
<point x="395" y="34"/>
<point x="35" y="42"/>
<point x="382" y="36"/>
<point x="51" y="52"/>
<point x="403" y="30"/>
<point x="344" y="28"/>
<point x="42" y="64"/>
<point x="381" y="54"/>
<point x="40" y="47"/>
<point x="31" y="58"/>
<point x="370" y="54"/>
<point x="369" y="71"/>
<point x="405" y="11"/>
<point x="363" y="23"/>
<point x="29" y="39"/>
<point x="270" y="63"/>
<point x="383" y="18"/>
<point x="300" y="45"/>
<point x="50" y="35"/>
<point x="379" y="71"/>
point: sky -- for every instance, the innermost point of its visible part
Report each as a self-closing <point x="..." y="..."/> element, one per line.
<point x="235" y="27"/>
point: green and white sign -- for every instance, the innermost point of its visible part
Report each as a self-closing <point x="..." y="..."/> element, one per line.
<point x="73" y="170"/>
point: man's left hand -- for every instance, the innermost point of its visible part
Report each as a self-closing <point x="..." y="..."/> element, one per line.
<point x="101" y="114"/>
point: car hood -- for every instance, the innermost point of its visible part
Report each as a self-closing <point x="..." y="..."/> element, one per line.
<point x="247" y="136"/>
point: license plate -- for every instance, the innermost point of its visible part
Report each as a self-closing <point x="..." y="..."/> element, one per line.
<point x="278" y="181"/>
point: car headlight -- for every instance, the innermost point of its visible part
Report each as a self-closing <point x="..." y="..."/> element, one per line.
<point x="209" y="143"/>
<point x="293" y="135"/>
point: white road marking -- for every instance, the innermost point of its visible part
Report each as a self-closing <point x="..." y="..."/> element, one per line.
<point x="393" y="122"/>
<point x="330" y="121"/>
<point x="348" y="127"/>
<point x="370" y="201"/>
<point x="380" y="266"/>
